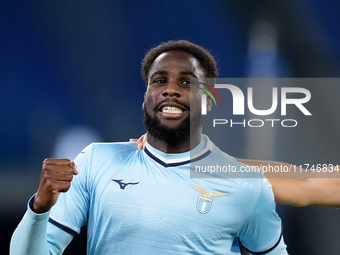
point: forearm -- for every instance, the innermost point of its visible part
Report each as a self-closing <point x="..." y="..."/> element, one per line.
<point x="36" y="236"/>
<point x="307" y="191"/>
<point x="323" y="191"/>
<point x="307" y="188"/>
<point x="290" y="191"/>
<point x="30" y="236"/>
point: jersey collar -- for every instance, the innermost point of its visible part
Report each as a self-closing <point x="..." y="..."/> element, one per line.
<point x="170" y="160"/>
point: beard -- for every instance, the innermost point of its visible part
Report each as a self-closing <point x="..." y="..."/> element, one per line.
<point x="176" y="135"/>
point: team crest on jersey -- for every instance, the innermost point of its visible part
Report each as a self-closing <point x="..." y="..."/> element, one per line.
<point x="204" y="202"/>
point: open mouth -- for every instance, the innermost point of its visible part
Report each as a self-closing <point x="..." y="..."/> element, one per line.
<point x="171" y="109"/>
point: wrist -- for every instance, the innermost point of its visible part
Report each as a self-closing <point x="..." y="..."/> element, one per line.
<point x="36" y="207"/>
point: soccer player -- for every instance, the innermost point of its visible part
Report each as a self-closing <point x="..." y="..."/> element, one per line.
<point x="144" y="201"/>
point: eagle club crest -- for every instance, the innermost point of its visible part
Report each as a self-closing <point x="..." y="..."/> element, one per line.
<point x="204" y="201"/>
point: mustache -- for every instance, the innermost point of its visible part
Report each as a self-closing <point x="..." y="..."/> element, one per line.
<point x="184" y="105"/>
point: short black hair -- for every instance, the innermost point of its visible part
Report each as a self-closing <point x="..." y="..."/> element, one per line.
<point x="206" y="60"/>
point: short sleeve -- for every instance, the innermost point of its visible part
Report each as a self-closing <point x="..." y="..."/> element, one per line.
<point x="262" y="233"/>
<point x="71" y="210"/>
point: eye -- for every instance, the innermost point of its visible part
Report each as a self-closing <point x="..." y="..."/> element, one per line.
<point x="159" y="81"/>
<point x="186" y="83"/>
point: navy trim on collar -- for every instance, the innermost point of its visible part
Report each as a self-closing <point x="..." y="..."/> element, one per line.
<point x="159" y="161"/>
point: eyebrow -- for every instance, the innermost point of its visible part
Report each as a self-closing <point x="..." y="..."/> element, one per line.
<point x="158" y="72"/>
<point x="189" y="73"/>
<point x="166" y="72"/>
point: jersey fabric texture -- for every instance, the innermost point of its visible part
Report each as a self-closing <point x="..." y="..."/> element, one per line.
<point x="144" y="202"/>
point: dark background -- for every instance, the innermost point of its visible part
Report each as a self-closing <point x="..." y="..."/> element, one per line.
<point x="69" y="75"/>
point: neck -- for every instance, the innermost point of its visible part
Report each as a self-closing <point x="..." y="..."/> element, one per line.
<point x="175" y="148"/>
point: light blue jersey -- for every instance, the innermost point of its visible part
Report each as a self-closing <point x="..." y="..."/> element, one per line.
<point x="144" y="202"/>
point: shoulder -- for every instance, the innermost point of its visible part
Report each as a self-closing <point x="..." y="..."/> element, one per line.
<point x="102" y="158"/>
<point x="100" y="152"/>
<point x="219" y="164"/>
<point x="236" y="169"/>
<point x="109" y="148"/>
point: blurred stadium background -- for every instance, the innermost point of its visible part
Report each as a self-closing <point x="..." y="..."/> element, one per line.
<point x="69" y="75"/>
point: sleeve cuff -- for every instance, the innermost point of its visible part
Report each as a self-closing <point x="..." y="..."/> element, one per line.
<point x="33" y="215"/>
<point x="267" y="251"/>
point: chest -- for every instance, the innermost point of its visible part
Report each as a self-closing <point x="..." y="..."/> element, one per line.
<point x="137" y="199"/>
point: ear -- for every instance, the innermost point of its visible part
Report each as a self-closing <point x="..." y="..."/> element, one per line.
<point x="208" y="104"/>
<point x="143" y="105"/>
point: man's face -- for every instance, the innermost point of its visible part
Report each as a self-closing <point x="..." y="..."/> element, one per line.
<point x="171" y="97"/>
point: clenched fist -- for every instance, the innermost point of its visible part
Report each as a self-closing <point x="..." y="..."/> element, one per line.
<point x="56" y="177"/>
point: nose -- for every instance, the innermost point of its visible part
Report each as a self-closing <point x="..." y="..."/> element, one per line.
<point x="173" y="90"/>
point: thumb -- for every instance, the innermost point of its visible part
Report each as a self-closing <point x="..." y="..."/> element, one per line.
<point x="74" y="166"/>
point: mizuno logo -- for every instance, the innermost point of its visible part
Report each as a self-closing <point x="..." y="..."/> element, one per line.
<point x="123" y="185"/>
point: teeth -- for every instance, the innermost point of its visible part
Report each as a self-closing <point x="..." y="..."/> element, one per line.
<point x="171" y="109"/>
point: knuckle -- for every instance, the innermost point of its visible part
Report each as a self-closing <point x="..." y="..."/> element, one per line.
<point x="44" y="175"/>
<point x="48" y="183"/>
<point x="56" y="161"/>
<point x="45" y="163"/>
<point x="46" y="160"/>
<point x="65" y="160"/>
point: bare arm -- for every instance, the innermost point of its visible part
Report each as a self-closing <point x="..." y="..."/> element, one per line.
<point x="306" y="190"/>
